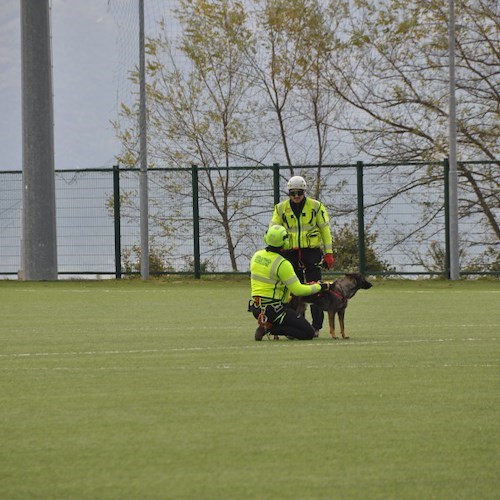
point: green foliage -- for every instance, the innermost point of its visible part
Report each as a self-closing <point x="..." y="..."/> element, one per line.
<point x="434" y="259"/>
<point x="489" y="260"/>
<point x="345" y="249"/>
<point x="205" y="266"/>
<point x="158" y="259"/>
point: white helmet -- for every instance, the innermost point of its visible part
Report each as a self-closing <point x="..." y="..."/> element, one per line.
<point x="297" y="182"/>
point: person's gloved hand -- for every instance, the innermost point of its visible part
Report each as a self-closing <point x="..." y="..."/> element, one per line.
<point x="328" y="260"/>
<point x="324" y="286"/>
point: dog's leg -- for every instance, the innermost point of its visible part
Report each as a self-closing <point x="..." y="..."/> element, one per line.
<point x="341" y="322"/>
<point x="301" y="308"/>
<point x="331" y="321"/>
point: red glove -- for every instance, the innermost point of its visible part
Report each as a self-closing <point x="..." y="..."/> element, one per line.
<point x="328" y="260"/>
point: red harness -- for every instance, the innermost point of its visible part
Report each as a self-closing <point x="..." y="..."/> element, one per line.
<point x="338" y="295"/>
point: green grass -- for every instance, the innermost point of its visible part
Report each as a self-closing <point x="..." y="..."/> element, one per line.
<point x="114" y="390"/>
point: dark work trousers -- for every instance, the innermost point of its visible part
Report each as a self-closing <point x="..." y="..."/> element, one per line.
<point x="307" y="265"/>
<point x="289" y="322"/>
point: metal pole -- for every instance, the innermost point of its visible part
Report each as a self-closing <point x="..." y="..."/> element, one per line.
<point x="453" y="175"/>
<point x="361" y="218"/>
<point x="276" y="182"/>
<point x="143" y="183"/>
<point x="39" y="243"/>
<point x="117" y="220"/>
<point x="196" y="222"/>
<point x="446" y="176"/>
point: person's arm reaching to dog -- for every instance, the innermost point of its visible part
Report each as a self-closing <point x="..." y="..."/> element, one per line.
<point x="286" y="274"/>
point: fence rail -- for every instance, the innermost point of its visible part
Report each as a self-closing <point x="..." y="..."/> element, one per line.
<point x="210" y="221"/>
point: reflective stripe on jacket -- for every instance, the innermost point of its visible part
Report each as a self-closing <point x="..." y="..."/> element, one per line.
<point x="309" y="231"/>
<point x="272" y="276"/>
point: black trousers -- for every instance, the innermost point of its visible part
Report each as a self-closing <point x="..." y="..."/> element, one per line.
<point x="283" y="320"/>
<point x="307" y="265"/>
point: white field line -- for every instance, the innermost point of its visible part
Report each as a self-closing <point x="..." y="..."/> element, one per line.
<point x="243" y="328"/>
<point x="241" y="367"/>
<point x="281" y="343"/>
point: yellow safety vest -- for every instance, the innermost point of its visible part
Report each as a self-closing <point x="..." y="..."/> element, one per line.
<point x="272" y="276"/>
<point x="311" y="230"/>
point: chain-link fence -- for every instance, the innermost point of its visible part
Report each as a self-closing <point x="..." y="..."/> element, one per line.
<point x="386" y="219"/>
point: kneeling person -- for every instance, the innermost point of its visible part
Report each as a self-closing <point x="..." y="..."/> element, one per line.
<point x="272" y="280"/>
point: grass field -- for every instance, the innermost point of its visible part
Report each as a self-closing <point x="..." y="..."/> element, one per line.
<point x="157" y="390"/>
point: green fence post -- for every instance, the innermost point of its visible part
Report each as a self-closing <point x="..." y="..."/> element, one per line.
<point x="447" y="243"/>
<point x="361" y="219"/>
<point x="276" y="182"/>
<point x="117" y="221"/>
<point x="196" y="222"/>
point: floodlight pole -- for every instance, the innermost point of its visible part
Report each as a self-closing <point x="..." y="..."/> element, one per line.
<point x="453" y="175"/>
<point x="143" y="183"/>
<point x="39" y="240"/>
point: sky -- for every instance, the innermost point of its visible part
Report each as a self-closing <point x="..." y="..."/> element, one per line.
<point x="85" y="66"/>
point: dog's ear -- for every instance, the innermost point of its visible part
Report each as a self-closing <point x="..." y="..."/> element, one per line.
<point x="357" y="278"/>
<point x="360" y="280"/>
<point x="354" y="279"/>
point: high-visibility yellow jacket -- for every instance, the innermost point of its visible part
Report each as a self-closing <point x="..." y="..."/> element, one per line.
<point x="311" y="230"/>
<point x="272" y="276"/>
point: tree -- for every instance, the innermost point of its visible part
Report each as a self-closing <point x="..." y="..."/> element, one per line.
<point x="394" y="71"/>
<point x="317" y="107"/>
<point x="202" y="114"/>
<point x="296" y="38"/>
<point x="294" y="81"/>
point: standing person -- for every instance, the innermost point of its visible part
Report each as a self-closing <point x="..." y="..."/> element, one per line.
<point x="307" y="223"/>
<point x="272" y="279"/>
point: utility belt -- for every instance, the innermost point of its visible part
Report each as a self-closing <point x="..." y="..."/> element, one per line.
<point x="266" y="310"/>
<point x="263" y="301"/>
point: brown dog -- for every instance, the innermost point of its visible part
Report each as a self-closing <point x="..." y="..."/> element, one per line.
<point x="335" y="300"/>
